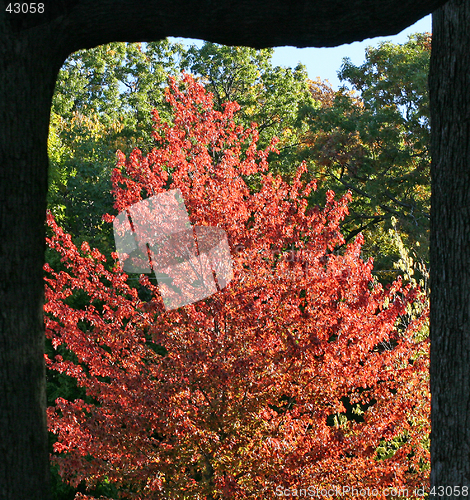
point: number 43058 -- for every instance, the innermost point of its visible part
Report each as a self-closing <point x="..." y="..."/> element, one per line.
<point x="25" y="8"/>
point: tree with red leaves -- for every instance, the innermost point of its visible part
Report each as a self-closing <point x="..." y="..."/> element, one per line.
<point x="302" y="372"/>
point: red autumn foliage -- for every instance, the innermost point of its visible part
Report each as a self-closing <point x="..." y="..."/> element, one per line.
<point x="247" y="393"/>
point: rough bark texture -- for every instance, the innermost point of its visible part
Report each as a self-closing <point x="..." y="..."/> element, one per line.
<point x="27" y="78"/>
<point x="450" y="246"/>
<point x="32" y="48"/>
<point x="256" y="23"/>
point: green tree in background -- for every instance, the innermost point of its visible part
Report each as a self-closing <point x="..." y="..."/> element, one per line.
<point x="102" y="102"/>
<point x="270" y="96"/>
<point x="118" y="81"/>
<point x="374" y="140"/>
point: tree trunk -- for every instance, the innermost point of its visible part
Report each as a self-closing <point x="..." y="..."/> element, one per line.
<point x="450" y="246"/>
<point x="27" y="80"/>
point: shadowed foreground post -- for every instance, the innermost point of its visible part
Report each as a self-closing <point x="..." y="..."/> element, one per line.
<point x="450" y="247"/>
